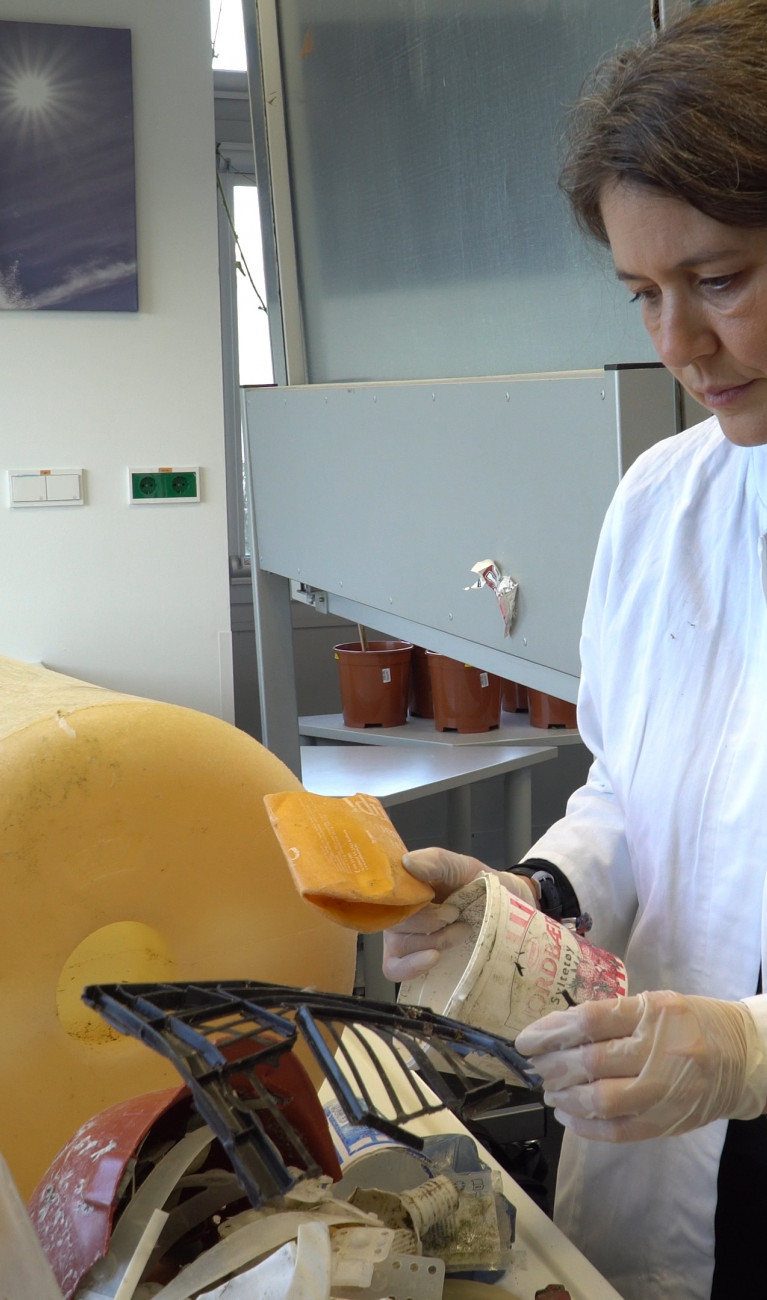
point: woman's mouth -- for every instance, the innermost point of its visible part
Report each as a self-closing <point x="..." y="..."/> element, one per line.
<point x="718" y="399"/>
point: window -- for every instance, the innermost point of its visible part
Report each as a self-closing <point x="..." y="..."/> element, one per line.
<point x="227" y="35"/>
<point x="246" y="348"/>
<point x="254" y="350"/>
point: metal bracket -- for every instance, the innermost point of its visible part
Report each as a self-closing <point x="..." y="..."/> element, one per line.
<point x="309" y="595"/>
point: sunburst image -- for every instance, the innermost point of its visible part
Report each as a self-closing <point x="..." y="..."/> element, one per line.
<point x="67" y="187"/>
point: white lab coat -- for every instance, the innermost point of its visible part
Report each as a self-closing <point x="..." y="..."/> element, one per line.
<point x="666" y="844"/>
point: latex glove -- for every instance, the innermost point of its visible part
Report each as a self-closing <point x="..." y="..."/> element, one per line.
<point x="415" y="945"/>
<point x="447" y="872"/>
<point x="648" y="1066"/>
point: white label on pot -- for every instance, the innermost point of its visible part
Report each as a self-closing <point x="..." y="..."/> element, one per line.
<point x="386" y="674"/>
<point x="484" y="680"/>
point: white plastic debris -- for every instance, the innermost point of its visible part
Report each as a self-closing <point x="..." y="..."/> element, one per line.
<point x="410" y="1214"/>
<point x="140" y="1257"/>
<point x="403" y="1277"/>
<point x="298" y="1271"/>
<point x="357" y="1252"/>
<point x="253" y="1241"/>
<point x="268" y="1280"/>
<point x="24" y="1269"/>
<point x="106" y="1277"/>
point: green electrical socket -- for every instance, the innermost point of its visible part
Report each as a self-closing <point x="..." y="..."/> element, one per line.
<point x="164" y="485"/>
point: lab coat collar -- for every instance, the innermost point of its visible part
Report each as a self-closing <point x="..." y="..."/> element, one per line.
<point x="759" y="479"/>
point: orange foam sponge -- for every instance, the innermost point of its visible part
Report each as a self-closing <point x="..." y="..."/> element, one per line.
<point x="346" y="858"/>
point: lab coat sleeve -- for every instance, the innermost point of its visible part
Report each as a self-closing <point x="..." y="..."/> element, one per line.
<point x="589" y="844"/>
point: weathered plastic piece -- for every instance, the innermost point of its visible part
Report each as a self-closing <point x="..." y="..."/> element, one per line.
<point x="136" y="846"/>
<point x="195" y="1025"/>
<point x="72" y="1208"/>
<point x="24" y="1270"/>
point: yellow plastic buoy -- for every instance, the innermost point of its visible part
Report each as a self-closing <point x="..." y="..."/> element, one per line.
<point x="135" y="846"/>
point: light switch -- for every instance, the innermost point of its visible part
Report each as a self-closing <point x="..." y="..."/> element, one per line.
<point x="46" y="487"/>
<point x="27" y="489"/>
<point x="63" y="487"/>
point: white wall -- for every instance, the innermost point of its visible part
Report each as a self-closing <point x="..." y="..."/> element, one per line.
<point x="134" y="598"/>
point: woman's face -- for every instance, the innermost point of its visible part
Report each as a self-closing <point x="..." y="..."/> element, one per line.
<point x="702" y="290"/>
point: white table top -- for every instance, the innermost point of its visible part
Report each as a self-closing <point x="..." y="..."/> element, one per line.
<point x="515" y="729"/>
<point x="411" y="771"/>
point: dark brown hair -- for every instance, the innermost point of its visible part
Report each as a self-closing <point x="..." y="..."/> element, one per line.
<point x="684" y="112"/>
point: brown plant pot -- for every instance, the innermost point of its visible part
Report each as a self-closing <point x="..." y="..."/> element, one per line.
<point x="374" y="682"/>
<point x="514" y="698"/>
<point x="421" y="701"/>
<point x="549" y="711"/>
<point x="465" y="698"/>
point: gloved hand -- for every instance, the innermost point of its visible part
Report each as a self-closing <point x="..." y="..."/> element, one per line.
<point x="415" y="945"/>
<point x="648" y="1066"/>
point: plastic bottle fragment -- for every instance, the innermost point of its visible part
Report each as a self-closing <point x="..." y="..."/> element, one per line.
<point x="298" y="1271"/>
<point x="24" y="1270"/>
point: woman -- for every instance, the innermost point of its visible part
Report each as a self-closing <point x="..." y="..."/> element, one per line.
<point x="666" y="844"/>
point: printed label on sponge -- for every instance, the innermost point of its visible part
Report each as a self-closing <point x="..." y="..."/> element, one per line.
<point x="537" y="965"/>
<point x="345" y="857"/>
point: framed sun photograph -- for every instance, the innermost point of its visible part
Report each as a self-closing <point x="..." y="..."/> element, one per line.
<point x="67" y="174"/>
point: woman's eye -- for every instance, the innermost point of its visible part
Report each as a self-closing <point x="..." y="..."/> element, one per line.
<point x="642" y="295"/>
<point x="717" y="282"/>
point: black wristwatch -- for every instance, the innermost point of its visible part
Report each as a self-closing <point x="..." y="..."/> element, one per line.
<point x="558" y="898"/>
<point x="551" y="899"/>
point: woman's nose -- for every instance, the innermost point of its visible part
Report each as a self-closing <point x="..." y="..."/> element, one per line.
<point x="683" y="335"/>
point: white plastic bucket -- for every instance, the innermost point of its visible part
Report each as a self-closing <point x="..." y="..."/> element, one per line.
<point x="515" y="965"/>
<point x="368" y="1158"/>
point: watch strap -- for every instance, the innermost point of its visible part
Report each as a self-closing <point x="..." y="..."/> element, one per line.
<point x="558" y="898"/>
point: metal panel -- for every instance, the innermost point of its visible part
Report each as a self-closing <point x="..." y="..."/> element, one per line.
<point x="646" y="402"/>
<point x="422" y="141"/>
<point x="386" y="495"/>
<point x="274" y="639"/>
